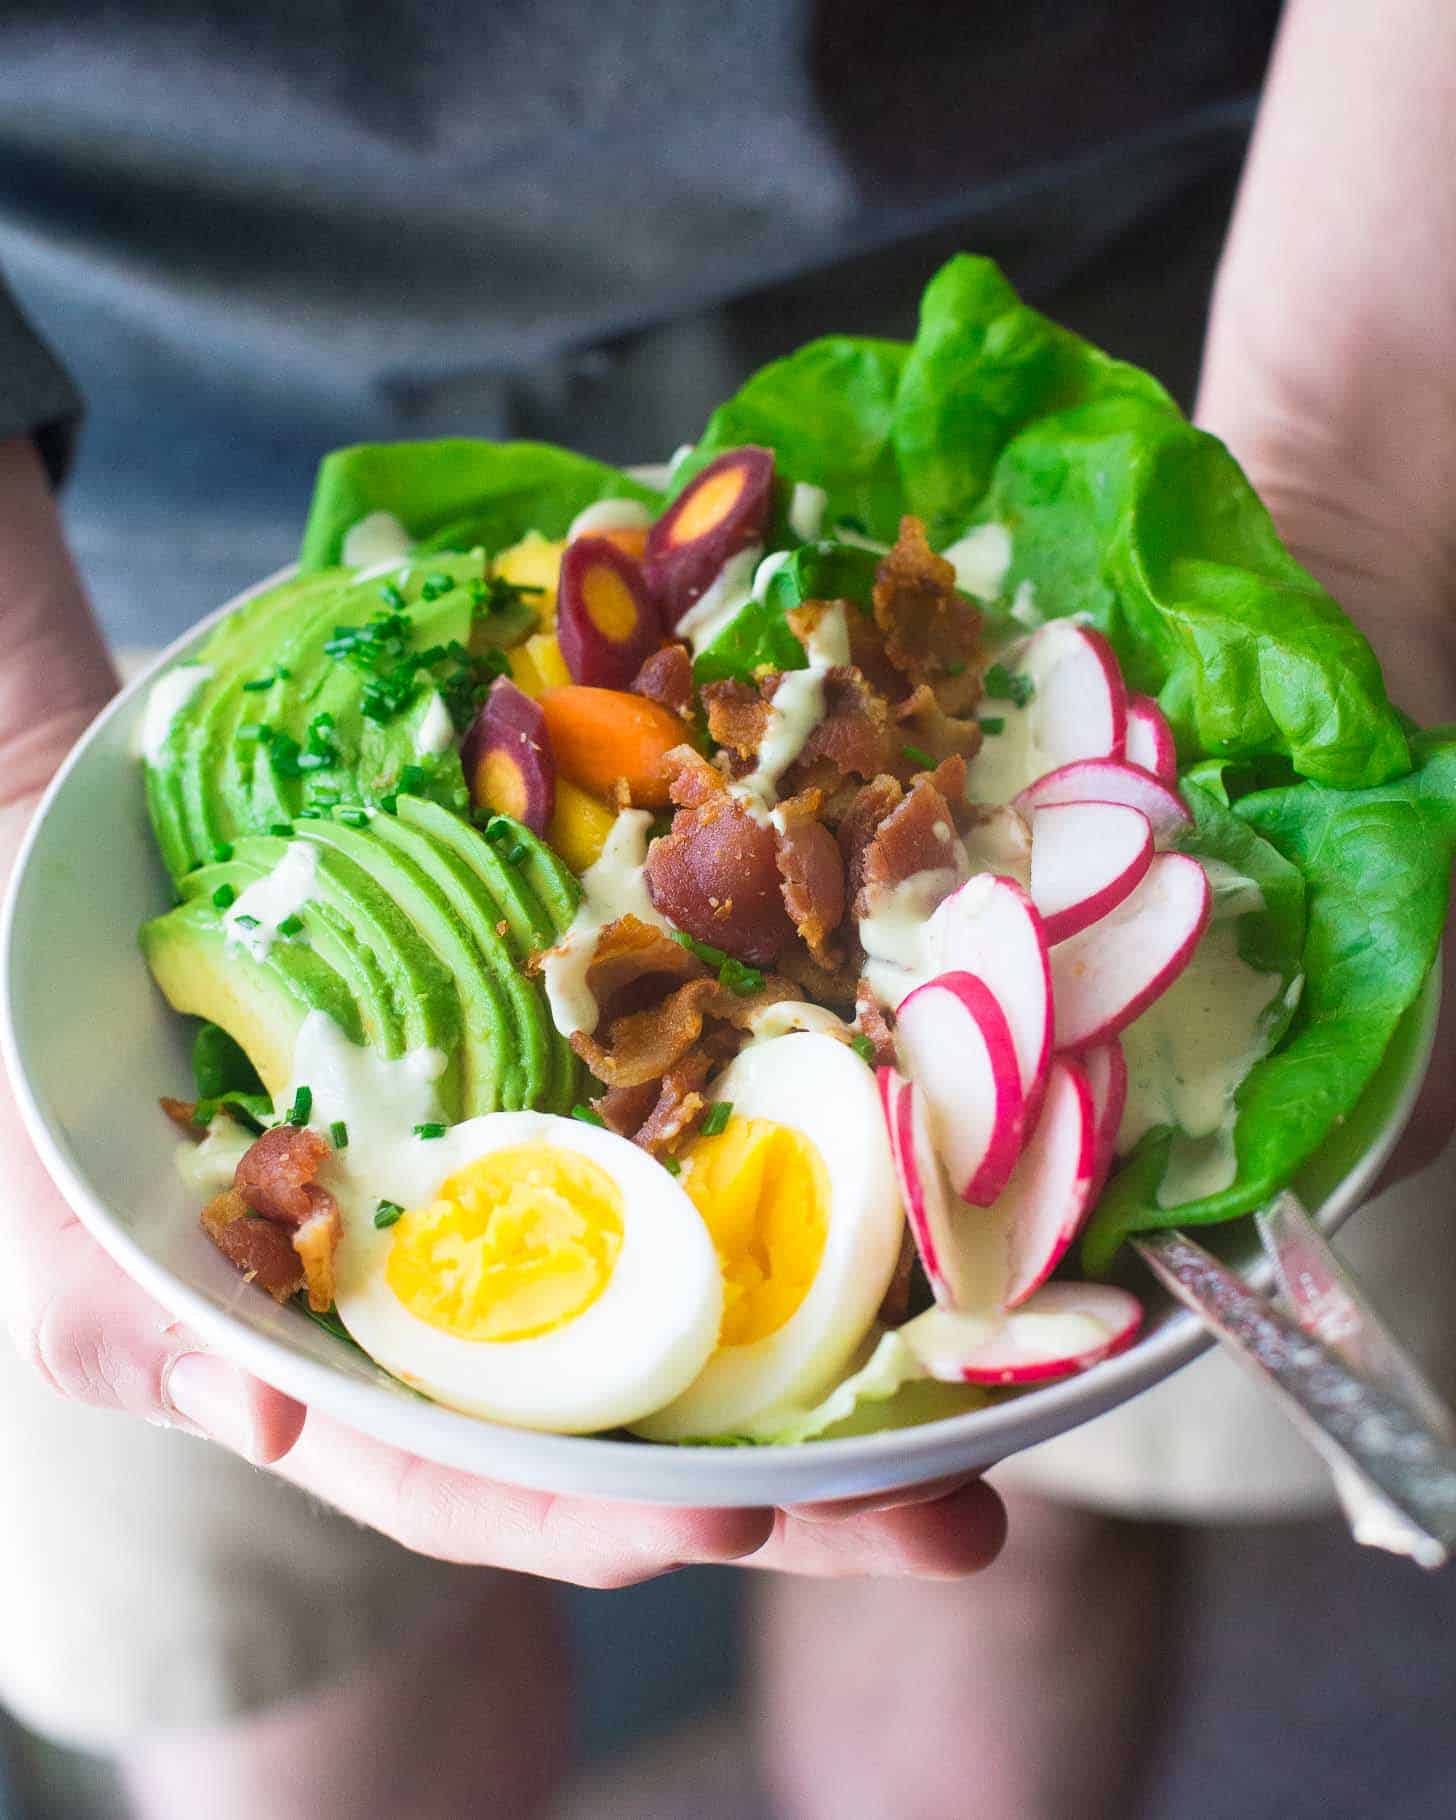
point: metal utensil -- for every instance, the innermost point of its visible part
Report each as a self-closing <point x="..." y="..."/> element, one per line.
<point x="1342" y="1376"/>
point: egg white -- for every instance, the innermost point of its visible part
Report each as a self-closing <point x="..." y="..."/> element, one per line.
<point x="820" y="1087"/>
<point x="642" y="1341"/>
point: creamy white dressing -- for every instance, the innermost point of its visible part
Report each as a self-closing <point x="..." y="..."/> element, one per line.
<point x="896" y="935"/>
<point x="788" y="1015"/>
<point x="380" y="1099"/>
<point x="605" y="515"/>
<point x="1016" y="756"/>
<point x="378" y="539"/>
<point x="726" y="595"/>
<point x="795" y="711"/>
<point x="251" y="920"/>
<point x="806" y="509"/>
<point x="1187" y="1054"/>
<point x="980" y="560"/>
<point x="208" y="1168"/>
<point x="766" y="571"/>
<point x="169" y="695"/>
<point x="436" y="731"/>
<point x="615" y="886"/>
<point x="1024" y="609"/>
<point x="857" y="540"/>
<point x="1000" y="843"/>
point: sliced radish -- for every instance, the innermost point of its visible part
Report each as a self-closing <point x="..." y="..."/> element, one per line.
<point x="1050" y="1191"/>
<point x="1103" y="978"/>
<point x="1150" y="739"/>
<point x="1064" y="1328"/>
<point x="1085" y="859"/>
<point x="1075" y="707"/>
<point x="957" y="1046"/>
<point x="1106" y="1068"/>
<point x="990" y="927"/>
<point x="963" y="1266"/>
<point x="1100" y="780"/>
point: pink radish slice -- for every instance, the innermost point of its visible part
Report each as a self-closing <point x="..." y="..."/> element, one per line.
<point x="1100" y="780"/>
<point x="960" y="1276"/>
<point x="1150" y="740"/>
<point x="1104" y="977"/>
<point x="1106" y="1069"/>
<point x="957" y="1048"/>
<point x="990" y="927"/>
<point x="1064" y="1328"/>
<point x="1085" y="859"/>
<point x="1044" y="1203"/>
<point x="1076" y="708"/>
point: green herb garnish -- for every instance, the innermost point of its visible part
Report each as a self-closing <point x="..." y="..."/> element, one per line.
<point x="918" y="757"/>
<point x="993" y="723"/>
<point x="292" y="924"/>
<point x="283" y="830"/>
<point x="222" y="852"/>
<point x="339" y="1135"/>
<point x="245" y="922"/>
<point x="386" y="1213"/>
<point x="719" y="1114"/>
<point x="672" y="1165"/>
<point x="436" y="585"/>
<point x="259" y="682"/>
<point x="1001" y="684"/>
<point x="302" y="1106"/>
<point x="497" y="595"/>
<point x="351" y="817"/>
<point x="863" y="1047"/>
<point x="224" y="897"/>
<point x="735" y="975"/>
<point x="589" y="1116"/>
<point x="430" y="1129"/>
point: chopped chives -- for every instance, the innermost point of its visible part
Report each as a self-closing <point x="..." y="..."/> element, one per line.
<point x="739" y="978"/>
<point x="672" y="1165"/>
<point x="291" y="924"/>
<point x="498" y="829"/>
<point x="389" y="804"/>
<point x="222" y="852"/>
<point x="255" y="731"/>
<point x="302" y="1106"/>
<point x="956" y="667"/>
<point x="918" y="757"/>
<point x="282" y="829"/>
<point x="259" y="682"/>
<point x="719" y="1114"/>
<point x="589" y="1116"/>
<point x="1001" y="684"/>
<point x="993" y="723"/>
<point x="863" y="1047"/>
<point x="224" y="897"/>
<point x="411" y="778"/>
<point x="246" y="922"/>
<point x="435" y="585"/>
<point x="430" y="1129"/>
<point x="517" y="853"/>
<point x="392" y="597"/>
<point x="386" y="1213"/>
<point x="339" y="1135"/>
<point x="350" y="817"/>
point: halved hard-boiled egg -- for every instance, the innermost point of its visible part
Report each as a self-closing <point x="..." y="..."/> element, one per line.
<point x="536" y="1270"/>
<point x="798" y="1190"/>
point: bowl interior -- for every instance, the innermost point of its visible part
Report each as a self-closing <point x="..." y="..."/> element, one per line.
<point x="91" y="1045"/>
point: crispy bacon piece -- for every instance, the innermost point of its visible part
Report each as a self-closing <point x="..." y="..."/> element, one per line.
<point x="812" y="872"/>
<point x="646" y="1044"/>
<point x="716" y="875"/>
<point x="930" y="630"/>
<point x="871" y="803"/>
<point x="261" y="1250"/>
<point x="679" y="1107"/>
<point x="692" y="779"/>
<point x="183" y="1114"/>
<point x="737" y="716"/>
<point x="667" y="678"/>
<point x="635" y="964"/>
<point x="916" y="836"/>
<point x="922" y="722"/>
<point x="855" y="734"/>
<point x="871" y="1022"/>
<point x="276" y="1178"/>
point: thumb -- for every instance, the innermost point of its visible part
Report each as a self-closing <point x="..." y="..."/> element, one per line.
<point x="97" y="1338"/>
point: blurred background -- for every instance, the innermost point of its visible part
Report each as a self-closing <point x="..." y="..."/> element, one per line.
<point x="246" y="249"/>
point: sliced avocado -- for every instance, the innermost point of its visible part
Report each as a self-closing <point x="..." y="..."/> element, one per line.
<point x="529" y="928"/>
<point x="260" y="1004"/>
<point x="328" y="927"/>
<point x="543" y="869"/>
<point x="491" y="1074"/>
<point x="469" y="897"/>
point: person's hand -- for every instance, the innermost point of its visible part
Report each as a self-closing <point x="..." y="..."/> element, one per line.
<point x="1330" y="351"/>
<point x="95" y="1337"/>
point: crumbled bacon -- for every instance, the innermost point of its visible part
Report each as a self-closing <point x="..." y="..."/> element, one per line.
<point x="261" y="1250"/>
<point x="183" y="1114"/>
<point x="871" y="1022"/>
<point x="918" y="835"/>
<point x="859" y="823"/>
<point x="923" y="722"/>
<point x="644" y="1045"/>
<point x="692" y="779"/>
<point x="667" y="678"/>
<point x="635" y="964"/>
<point x="854" y="734"/>
<point x="737" y="717"/>
<point x="276" y="1177"/>
<point x="930" y="630"/>
<point x="812" y="872"/>
<point x="716" y="876"/>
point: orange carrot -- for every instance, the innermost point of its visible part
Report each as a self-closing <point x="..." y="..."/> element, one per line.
<point x="601" y="735"/>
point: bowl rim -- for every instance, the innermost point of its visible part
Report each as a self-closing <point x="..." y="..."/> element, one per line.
<point x="783" y="1473"/>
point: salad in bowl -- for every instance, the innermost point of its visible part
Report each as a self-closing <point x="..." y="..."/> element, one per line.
<point x="728" y="953"/>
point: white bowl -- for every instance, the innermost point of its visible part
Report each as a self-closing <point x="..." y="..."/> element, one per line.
<point x="90" y="1045"/>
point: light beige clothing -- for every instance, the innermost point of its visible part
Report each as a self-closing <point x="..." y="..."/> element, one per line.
<point x="148" y="1579"/>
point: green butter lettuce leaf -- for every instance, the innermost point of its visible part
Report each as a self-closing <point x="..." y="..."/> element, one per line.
<point x="1119" y="509"/>
<point x="826" y="411"/>
<point x="1376" y="865"/>
<point x="456" y="493"/>
<point x="890" y="1390"/>
<point x="759" y="635"/>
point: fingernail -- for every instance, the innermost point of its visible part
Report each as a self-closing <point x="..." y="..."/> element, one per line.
<point x="213" y="1396"/>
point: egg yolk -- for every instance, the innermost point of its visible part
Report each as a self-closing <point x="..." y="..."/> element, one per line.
<point x="763" y="1192"/>
<point x="516" y="1244"/>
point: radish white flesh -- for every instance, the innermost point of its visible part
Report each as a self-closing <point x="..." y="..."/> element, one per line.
<point x="963" y="1267"/>
<point x="1085" y="859"/>
<point x="1106" y="1068"/>
<point x="1050" y="1191"/>
<point x="1104" y="977"/>
<point x="1096" y="780"/>
<point x="990" y="927"/>
<point x="1150" y="740"/>
<point x="1064" y="1328"/>
<point x="1111" y="781"/>
<point x="957" y="1047"/>
<point x="1076" y="708"/>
